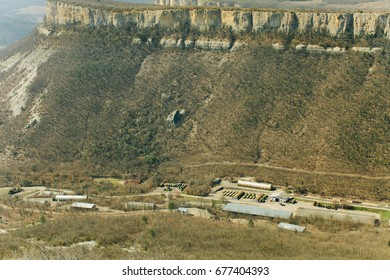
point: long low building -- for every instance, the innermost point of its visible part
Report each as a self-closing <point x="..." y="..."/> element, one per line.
<point x="356" y="217"/>
<point x="256" y="185"/>
<point x="291" y="227"/>
<point x="133" y="205"/>
<point x="83" y="206"/>
<point x="69" y="197"/>
<point x="257" y="211"/>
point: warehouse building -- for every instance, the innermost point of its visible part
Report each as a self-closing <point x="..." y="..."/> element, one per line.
<point x="256" y="185"/>
<point x="132" y="205"/>
<point x="356" y="217"/>
<point x="81" y="206"/>
<point x="257" y="211"/>
<point x="69" y="197"/>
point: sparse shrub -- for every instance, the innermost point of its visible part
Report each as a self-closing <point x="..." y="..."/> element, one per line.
<point x="171" y="205"/>
<point x="145" y="219"/>
<point x="153" y="233"/>
<point x="42" y="219"/>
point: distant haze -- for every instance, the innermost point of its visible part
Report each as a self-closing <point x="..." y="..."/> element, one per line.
<point x="18" y="18"/>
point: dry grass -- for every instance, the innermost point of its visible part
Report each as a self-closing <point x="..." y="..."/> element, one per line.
<point x="173" y="236"/>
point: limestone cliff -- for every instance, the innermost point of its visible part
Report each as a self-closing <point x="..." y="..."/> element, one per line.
<point x="201" y="19"/>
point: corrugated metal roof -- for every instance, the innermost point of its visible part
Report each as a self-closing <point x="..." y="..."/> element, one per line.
<point x="83" y="205"/>
<point x="256" y="210"/>
<point x="255" y="184"/>
<point x="291" y="227"/>
<point x="70" y="197"/>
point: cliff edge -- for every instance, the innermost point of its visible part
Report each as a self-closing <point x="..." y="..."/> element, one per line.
<point x="203" y="19"/>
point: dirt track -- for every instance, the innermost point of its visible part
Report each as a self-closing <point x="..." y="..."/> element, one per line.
<point x="229" y="163"/>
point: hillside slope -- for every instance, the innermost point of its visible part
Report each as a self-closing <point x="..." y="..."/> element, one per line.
<point x="92" y="97"/>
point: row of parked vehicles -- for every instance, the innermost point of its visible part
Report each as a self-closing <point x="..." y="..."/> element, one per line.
<point x="169" y="186"/>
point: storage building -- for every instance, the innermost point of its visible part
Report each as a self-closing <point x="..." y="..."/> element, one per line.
<point x="140" y="206"/>
<point x="69" y="197"/>
<point x="256" y="185"/>
<point x="279" y="196"/>
<point x="340" y="215"/>
<point x="257" y="211"/>
<point x="291" y="227"/>
<point x="83" y="206"/>
<point x="183" y="210"/>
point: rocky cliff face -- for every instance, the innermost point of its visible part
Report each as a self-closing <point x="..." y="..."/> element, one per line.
<point x="206" y="19"/>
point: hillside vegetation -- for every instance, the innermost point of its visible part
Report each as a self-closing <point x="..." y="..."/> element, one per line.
<point x="104" y="104"/>
<point x="174" y="236"/>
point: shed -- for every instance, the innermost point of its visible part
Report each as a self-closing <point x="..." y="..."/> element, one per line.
<point x="132" y="205"/>
<point x="256" y="185"/>
<point x="83" y="206"/>
<point x="279" y="196"/>
<point x="257" y="210"/>
<point x="183" y="210"/>
<point x="291" y="227"/>
<point x="69" y="197"/>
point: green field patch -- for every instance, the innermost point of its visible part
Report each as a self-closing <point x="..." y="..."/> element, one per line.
<point x="385" y="214"/>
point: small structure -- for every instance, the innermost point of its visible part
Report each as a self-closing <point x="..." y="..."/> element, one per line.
<point x="183" y="210"/>
<point x="69" y="197"/>
<point x="291" y="227"/>
<point x="216" y="181"/>
<point x="132" y="205"/>
<point x="257" y="211"/>
<point x="83" y="206"/>
<point x="279" y="196"/>
<point x="256" y="185"/>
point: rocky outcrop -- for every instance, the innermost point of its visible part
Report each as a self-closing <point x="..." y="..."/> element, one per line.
<point x="203" y="19"/>
<point x="184" y="3"/>
<point x="175" y="117"/>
